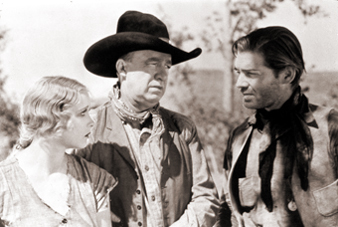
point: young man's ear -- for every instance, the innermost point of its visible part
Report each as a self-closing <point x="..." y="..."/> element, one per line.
<point x="121" y="68"/>
<point x="288" y="75"/>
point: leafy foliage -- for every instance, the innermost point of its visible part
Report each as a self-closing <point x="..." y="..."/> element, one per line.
<point x="9" y="113"/>
<point x="242" y="18"/>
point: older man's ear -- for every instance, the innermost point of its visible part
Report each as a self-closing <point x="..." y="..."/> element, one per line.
<point x="121" y="69"/>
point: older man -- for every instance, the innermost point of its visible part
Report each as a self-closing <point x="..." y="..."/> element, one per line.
<point x="282" y="162"/>
<point x="155" y="153"/>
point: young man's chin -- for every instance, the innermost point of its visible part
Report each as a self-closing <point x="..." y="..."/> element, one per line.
<point x="250" y="105"/>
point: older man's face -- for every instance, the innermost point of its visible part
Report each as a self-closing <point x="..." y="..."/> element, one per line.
<point x="146" y="78"/>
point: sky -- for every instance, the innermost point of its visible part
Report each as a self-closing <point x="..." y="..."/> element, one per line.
<point x="50" y="37"/>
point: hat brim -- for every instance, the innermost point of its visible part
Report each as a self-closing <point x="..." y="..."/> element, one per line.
<point x="101" y="57"/>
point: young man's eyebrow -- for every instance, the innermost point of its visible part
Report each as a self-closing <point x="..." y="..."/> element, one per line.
<point x="250" y="70"/>
<point x="246" y="70"/>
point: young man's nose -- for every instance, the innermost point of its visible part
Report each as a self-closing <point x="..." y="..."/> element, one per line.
<point x="241" y="81"/>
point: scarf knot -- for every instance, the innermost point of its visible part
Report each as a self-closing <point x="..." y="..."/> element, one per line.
<point x="128" y="115"/>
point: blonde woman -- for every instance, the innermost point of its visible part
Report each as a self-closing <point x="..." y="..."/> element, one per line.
<point x="40" y="184"/>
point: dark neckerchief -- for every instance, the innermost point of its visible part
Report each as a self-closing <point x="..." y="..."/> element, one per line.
<point x="287" y="125"/>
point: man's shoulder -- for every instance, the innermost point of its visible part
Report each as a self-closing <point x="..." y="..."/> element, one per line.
<point x="325" y="113"/>
<point x="177" y="119"/>
<point x="82" y="164"/>
<point x="103" y="115"/>
<point x="243" y="126"/>
<point x="320" y="109"/>
<point x="88" y="170"/>
<point x="103" y="107"/>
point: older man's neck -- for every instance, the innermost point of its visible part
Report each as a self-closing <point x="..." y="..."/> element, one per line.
<point x="136" y="106"/>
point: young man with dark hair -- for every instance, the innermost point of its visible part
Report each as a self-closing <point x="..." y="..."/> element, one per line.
<point x="282" y="162"/>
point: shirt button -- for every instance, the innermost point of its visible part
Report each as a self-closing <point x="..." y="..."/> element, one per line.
<point x="146" y="168"/>
<point x="138" y="191"/>
<point x="153" y="198"/>
<point x="64" y="221"/>
<point x="139" y="207"/>
<point x="139" y="224"/>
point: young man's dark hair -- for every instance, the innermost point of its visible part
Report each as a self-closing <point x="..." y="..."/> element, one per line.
<point x="278" y="45"/>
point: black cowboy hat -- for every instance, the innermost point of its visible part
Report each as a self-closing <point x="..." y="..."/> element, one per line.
<point x="135" y="31"/>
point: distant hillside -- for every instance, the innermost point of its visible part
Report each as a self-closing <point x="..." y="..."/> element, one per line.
<point x="206" y="84"/>
<point x="323" y="87"/>
<point x="320" y="87"/>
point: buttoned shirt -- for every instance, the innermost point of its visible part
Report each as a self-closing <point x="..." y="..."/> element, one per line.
<point x="147" y="155"/>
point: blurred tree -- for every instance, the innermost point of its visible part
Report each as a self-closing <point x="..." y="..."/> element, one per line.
<point x="9" y="112"/>
<point x="235" y="19"/>
<point x="189" y="93"/>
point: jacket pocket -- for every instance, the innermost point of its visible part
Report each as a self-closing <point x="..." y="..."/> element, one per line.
<point x="248" y="190"/>
<point x="327" y="199"/>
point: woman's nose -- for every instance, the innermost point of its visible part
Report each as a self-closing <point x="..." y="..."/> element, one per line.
<point x="90" y="121"/>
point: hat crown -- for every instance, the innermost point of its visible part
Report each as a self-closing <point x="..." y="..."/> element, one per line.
<point x="135" y="31"/>
<point x="133" y="21"/>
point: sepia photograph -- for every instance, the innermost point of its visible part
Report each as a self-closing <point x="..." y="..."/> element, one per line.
<point x="174" y="113"/>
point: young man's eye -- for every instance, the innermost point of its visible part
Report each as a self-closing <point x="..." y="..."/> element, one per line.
<point x="250" y="74"/>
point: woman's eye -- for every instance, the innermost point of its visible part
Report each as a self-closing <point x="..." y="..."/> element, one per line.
<point x="83" y="113"/>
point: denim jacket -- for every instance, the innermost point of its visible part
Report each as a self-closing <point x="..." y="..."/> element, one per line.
<point x="189" y="196"/>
